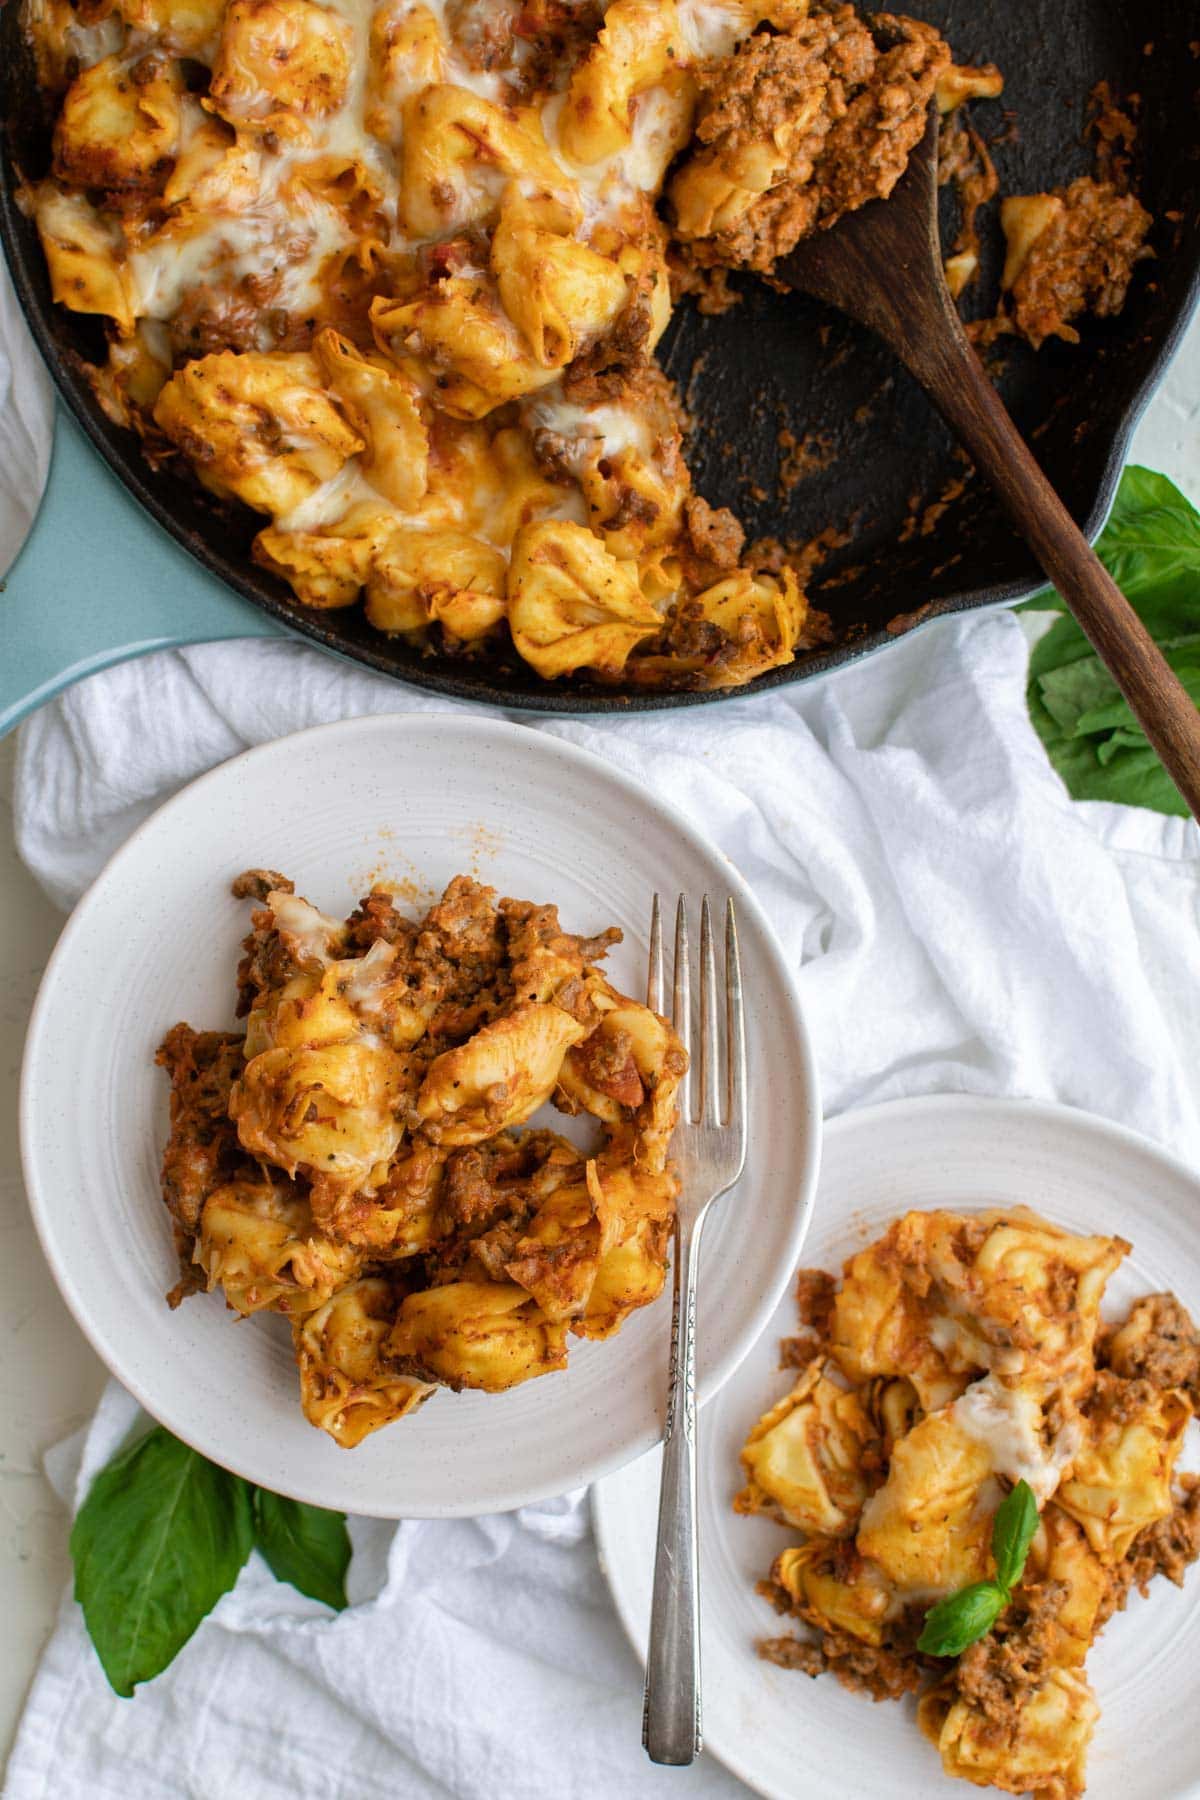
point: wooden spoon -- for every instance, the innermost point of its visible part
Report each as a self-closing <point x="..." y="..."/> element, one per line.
<point x="883" y="266"/>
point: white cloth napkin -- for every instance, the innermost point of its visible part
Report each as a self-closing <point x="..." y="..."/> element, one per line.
<point x="953" y="921"/>
<point x="26" y="425"/>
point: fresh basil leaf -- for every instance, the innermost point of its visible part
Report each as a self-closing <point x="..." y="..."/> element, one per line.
<point x="304" y="1545"/>
<point x="1013" y="1529"/>
<point x="1060" y="647"/>
<point x="1117" y="741"/>
<point x="161" y="1536"/>
<point x="1083" y="698"/>
<point x="1076" y="689"/>
<point x="958" y="1621"/>
<point x="1151" y="547"/>
<point x="1094" y="741"/>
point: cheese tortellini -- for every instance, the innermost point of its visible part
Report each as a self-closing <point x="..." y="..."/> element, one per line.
<point x="1044" y="1753"/>
<point x="280" y="63"/>
<point x="803" y="1458"/>
<point x="572" y="605"/>
<point x="477" y="1334"/>
<point x="259" y="1243"/>
<point x="348" y="1386"/>
<point x="635" y="51"/>
<point x="259" y="427"/>
<point x="959" y="1355"/>
<point x="356" y="1161"/>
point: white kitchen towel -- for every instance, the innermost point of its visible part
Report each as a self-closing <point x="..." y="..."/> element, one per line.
<point x="953" y="922"/>
<point x="26" y="425"/>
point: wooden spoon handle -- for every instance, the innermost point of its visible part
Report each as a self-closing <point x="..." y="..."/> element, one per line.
<point x="946" y="365"/>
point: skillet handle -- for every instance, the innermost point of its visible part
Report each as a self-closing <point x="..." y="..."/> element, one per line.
<point x="97" y="582"/>
<point x="944" y="362"/>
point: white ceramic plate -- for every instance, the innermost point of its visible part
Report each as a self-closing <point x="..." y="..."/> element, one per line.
<point x="416" y="800"/>
<point x="789" y="1737"/>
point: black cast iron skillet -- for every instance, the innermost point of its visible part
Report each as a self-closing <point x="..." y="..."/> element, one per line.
<point x="869" y="457"/>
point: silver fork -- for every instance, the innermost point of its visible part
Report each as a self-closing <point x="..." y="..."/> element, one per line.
<point x="709" y="1150"/>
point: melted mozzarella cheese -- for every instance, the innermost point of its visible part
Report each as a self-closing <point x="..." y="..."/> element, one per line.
<point x="331" y="501"/>
<point x="364" y="988"/>
<point x="284" y="237"/>
<point x="956" y="1337"/>
<point x="310" y="935"/>
<point x="594" y="431"/>
<point x="90" y="44"/>
<point x="1007" y="1421"/>
<point x="256" y="238"/>
<point x="609" y="188"/>
<point x="165" y="272"/>
<point x="641" y="166"/>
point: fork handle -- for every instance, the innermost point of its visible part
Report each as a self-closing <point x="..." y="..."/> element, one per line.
<point x="671" y="1719"/>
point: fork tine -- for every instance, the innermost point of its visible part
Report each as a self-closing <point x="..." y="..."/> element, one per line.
<point x="681" y="1004"/>
<point x="735" y="1026"/>
<point x="654" y="973"/>
<point x="710" y="1085"/>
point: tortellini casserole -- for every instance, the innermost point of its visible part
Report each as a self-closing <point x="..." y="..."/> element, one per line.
<point x="355" y="1160"/>
<point x="959" y="1355"/>
<point x="392" y="274"/>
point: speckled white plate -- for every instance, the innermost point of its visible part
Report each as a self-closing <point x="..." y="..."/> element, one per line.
<point x="794" y="1739"/>
<point x="415" y="799"/>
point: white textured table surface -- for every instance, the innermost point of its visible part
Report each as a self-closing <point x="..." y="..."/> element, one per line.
<point x="49" y="1377"/>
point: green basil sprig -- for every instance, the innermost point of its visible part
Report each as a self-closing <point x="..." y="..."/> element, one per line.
<point x="960" y="1619"/>
<point x="163" y="1533"/>
<point x="1151" y="548"/>
<point x="304" y="1545"/>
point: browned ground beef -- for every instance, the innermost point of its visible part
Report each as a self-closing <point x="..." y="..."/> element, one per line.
<point x="1158" y="1343"/>
<point x="709" y="288"/>
<point x="1082" y="262"/>
<point x="713" y="531"/>
<point x="859" y="1667"/>
<point x="868" y="106"/>
<point x="604" y="369"/>
<point x="1114" y="1401"/>
<point x="265" y="962"/>
<point x="256" y="884"/>
<point x="713" y="542"/>
<point x="999" y="1672"/>
<point x="815" y="1293"/>
<point x="1167" y="1548"/>
<point x="202" y="1151"/>
<point x="555" y="454"/>
<point x="550" y="33"/>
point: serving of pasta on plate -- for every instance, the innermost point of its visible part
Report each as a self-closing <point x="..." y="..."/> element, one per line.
<point x="960" y="1358"/>
<point x="353" y="1161"/>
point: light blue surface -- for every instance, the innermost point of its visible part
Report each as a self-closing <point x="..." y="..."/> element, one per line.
<point x="97" y="581"/>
